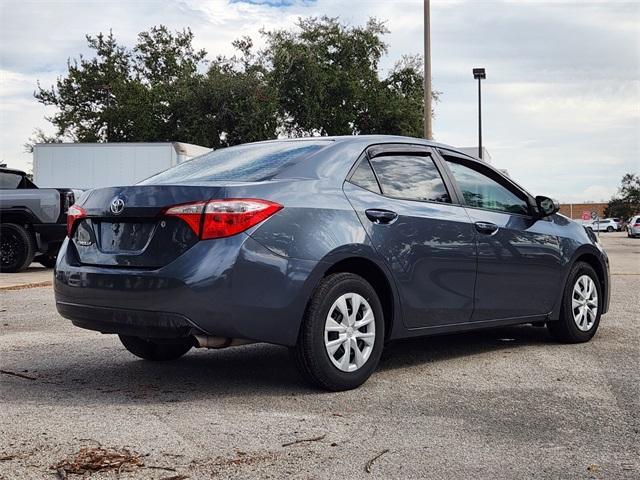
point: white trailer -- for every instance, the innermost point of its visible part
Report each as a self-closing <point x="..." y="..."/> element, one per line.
<point x="93" y="165"/>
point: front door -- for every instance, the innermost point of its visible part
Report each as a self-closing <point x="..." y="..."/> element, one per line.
<point x="427" y="241"/>
<point x="519" y="263"/>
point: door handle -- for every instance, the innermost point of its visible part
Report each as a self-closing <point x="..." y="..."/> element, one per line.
<point x="486" y="227"/>
<point x="381" y="216"/>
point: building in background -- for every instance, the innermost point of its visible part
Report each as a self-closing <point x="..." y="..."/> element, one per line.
<point x="576" y="210"/>
<point x="92" y="165"/>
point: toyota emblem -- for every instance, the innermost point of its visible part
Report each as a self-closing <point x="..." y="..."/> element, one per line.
<point x="117" y="206"/>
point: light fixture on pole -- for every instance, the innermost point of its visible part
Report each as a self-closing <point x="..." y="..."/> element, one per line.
<point x="479" y="74"/>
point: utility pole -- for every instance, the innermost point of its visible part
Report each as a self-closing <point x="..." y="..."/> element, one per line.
<point x="428" y="130"/>
<point x="479" y="74"/>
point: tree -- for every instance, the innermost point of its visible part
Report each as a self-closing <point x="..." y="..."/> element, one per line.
<point x="321" y="78"/>
<point x="627" y="203"/>
<point x="39" y="136"/>
<point x="327" y="80"/>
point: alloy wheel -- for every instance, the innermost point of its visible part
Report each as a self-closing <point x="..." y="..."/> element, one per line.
<point x="10" y="249"/>
<point x="584" y="303"/>
<point x="350" y="332"/>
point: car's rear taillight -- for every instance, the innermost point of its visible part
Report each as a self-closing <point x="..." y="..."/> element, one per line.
<point x="191" y="213"/>
<point x="223" y="218"/>
<point x="74" y="214"/>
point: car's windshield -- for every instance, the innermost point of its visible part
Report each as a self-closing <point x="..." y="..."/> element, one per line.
<point x="244" y="163"/>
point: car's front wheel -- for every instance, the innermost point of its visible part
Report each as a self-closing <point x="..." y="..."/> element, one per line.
<point x="581" y="306"/>
<point x="342" y="334"/>
<point x="156" y="350"/>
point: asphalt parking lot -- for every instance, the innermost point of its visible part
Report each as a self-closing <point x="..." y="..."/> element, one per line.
<point x="505" y="403"/>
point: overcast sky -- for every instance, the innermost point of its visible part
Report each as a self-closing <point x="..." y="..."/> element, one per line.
<point x="561" y="102"/>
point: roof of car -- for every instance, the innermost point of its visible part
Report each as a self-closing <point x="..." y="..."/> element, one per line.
<point x="375" y="139"/>
<point x="11" y="170"/>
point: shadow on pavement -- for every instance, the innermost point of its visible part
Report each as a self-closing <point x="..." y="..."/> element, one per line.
<point x="111" y="375"/>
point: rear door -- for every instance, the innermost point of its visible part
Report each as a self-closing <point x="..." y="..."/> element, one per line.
<point x="426" y="239"/>
<point x="519" y="263"/>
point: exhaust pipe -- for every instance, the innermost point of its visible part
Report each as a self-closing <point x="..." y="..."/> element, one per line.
<point x="204" y="341"/>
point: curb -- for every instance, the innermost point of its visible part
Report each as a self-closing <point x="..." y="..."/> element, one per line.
<point x="27" y="285"/>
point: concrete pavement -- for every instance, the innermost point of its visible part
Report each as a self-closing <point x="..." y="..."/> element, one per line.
<point x="505" y="403"/>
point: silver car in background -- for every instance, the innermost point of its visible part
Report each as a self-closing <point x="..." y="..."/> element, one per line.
<point x="604" y="225"/>
<point x="633" y="227"/>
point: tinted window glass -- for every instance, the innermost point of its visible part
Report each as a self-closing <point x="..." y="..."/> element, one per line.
<point x="9" y="180"/>
<point x="483" y="192"/>
<point x="364" y="177"/>
<point x="244" y="163"/>
<point x="411" y="178"/>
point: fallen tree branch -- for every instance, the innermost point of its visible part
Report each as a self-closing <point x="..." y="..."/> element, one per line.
<point x="304" y="440"/>
<point x="369" y="464"/>
<point x="158" y="467"/>
<point x="15" y="374"/>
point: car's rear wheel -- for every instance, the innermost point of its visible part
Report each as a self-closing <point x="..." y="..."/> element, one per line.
<point x="609" y="229"/>
<point x="581" y="306"/>
<point x="342" y="333"/>
<point x="156" y="350"/>
<point x="17" y="247"/>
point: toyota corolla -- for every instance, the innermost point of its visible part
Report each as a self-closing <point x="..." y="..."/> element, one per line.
<point x="329" y="246"/>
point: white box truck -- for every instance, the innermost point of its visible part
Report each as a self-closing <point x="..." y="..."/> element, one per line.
<point x="93" y="165"/>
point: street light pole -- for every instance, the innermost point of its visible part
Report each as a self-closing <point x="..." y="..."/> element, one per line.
<point x="479" y="74"/>
<point x="428" y="130"/>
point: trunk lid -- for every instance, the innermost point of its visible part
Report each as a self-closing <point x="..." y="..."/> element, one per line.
<point x="125" y="226"/>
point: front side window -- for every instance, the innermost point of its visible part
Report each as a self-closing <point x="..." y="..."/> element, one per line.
<point x="483" y="192"/>
<point x="410" y="178"/>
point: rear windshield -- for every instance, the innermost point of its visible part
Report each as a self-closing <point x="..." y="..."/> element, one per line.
<point x="244" y="163"/>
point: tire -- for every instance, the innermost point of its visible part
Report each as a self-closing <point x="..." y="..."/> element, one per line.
<point x="566" y="329"/>
<point x="17" y="247"/>
<point x="311" y="355"/>
<point x="609" y="229"/>
<point x="156" y="351"/>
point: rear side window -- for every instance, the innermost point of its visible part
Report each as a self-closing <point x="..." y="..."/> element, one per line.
<point x="365" y="178"/>
<point x="483" y="192"/>
<point x="410" y="178"/>
<point x="244" y="163"/>
<point x="9" y="181"/>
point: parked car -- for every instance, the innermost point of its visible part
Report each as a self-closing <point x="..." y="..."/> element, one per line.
<point x="32" y="221"/>
<point x="619" y="222"/>
<point x="605" y="225"/>
<point x="330" y="246"/>
<point x="633" y="226"/>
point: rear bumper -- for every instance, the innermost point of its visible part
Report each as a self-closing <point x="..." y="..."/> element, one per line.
<point x="138" y="323"/>
<point x="231" y="287"/>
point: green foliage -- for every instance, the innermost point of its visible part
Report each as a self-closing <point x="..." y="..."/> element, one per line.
<point x="627" y="203"/>
<point x="321" y="78"/>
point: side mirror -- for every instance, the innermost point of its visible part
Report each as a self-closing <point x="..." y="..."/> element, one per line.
<point x="547" y="206"/>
